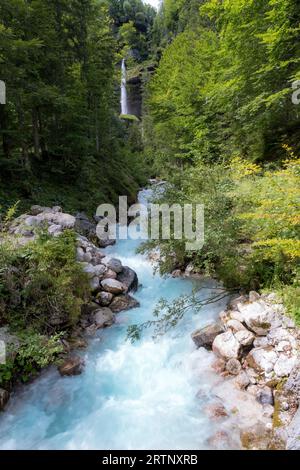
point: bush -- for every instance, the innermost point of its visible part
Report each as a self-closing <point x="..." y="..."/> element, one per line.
<point x="41" y="284"/>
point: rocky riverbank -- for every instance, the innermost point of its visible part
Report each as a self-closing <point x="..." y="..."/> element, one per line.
<point x="256" y="348"/>
<point x="110" y="283"/>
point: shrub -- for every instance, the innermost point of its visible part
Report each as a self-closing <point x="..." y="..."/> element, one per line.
<point x="41" y="284"/>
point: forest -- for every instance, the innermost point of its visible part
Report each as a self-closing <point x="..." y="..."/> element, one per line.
<point x="217" y="83"/>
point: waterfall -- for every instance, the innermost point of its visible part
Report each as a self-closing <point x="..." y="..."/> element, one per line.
<point x="124" y="104"/>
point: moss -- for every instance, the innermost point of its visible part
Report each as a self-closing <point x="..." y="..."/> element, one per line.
<point x="129" y="117"/>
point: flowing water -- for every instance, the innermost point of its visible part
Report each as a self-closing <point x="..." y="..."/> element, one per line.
<point x="146" y="395"/>
<point x="124" y="102"/>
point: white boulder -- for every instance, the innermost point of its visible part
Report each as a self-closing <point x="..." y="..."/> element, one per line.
<point x="226" y="345"/>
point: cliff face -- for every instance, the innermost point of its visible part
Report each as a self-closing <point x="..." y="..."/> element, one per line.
<point x="135" y="96"/>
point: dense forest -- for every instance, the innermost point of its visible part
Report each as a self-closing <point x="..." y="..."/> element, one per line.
<point x="61" y="139"/>
<point x="218" y="124"/>
<point x="221" y="126"/>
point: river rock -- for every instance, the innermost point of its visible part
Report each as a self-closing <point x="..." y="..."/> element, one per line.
<point x="113" y="286"/>
<point x="103" y="240"/>
<point x="82" y="256"/>
<point x="129" y="278"/>
<point x="94" y="284"/>
<point x="218" y="365"/>
<point x="73" y="365"/>
<point x="110" y="274"/>
<point x="4" y="397"/>
<point x="233" y="366"/>
<point x="123" y="302"/>
<point x="264" y="396"/>
<point x="242" y="380"/>
<point x="104" y="298"/>
<point x="84" y="226"/>
<point x="262" y="359"/>
<point x="11" y="344"/>
<point x="261" y="342"/>
<point x="55" y="230"/>
<point x="293" y="382"/>
<point x="284" y="365"/>
<point x="36" y="209"/>
<point x="216" y="411"/>
<point x="253" y="296"/>
<point x="103" y="317"/>
<point x="233" y="304"/>
<point x="235" y="325"/>
<point x="66" y="221"/>
<point x="293" y="432"/>
<point x="92" y="271"/>
<point x="205" y="336"/>
<point x="258" y="317"/>
<point x="226" y="346"/>
<point x="245" y="337"/>
<point x="115" y="265"/>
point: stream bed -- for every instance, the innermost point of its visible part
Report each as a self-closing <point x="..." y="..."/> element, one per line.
<point x="147" y="395"/>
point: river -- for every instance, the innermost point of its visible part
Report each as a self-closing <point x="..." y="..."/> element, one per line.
<point x="146" y="395"/>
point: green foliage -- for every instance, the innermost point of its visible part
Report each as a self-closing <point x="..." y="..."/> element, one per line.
<point x="41" y="284"/>
<point x="218" y="115"/>
<point x="35" y="352"/>
<point x="60" y="134"/>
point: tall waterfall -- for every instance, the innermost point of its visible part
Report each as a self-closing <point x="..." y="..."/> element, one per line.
<point x="124" y="104"/>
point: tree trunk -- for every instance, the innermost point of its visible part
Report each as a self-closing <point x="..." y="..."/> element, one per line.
<point x="36" y="136"/>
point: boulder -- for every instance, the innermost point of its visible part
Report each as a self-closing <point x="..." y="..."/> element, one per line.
<point x="262" y="359"/>
<point x="103" y="317"/>
<point x="219" y="365"/>
<point x="84" y="226"/>
<point x="261" y="342"/>
<point x="216" y="411"/>
<point x="293" y="382"/>
<point x="94" y="271"/>
<point x="264" y="396"/>
<point x="94" y="284"/>
<point x="110" y="274"/>
<point x="113" y="286"/>
<point x="36" y="209"/>
<point x="204" y="337"/>
<point x="242" y="380"/>
<point x="284" y="365"/>
<point x="226" y="346"/>
<point x="82" y="256"/>
<point x="115" y="265"/>
<point x="4" y="397"/>
<point x="55" y="230"/>
<point x="253" y="296"/>
<point x="129" y="278"/>
<point x="245" y="337"/>
<point x="233" y="304"/>
<point x="268" y="411"/>
<point x="66" y="221"/>
<point x="233" y="366"/>
<point x="10" y="344"/>
<point x="104" y="298"/>
<point x="73" y="365"/>
<point x="123" y="302"/>
<point x="258" y="317"/>
<point x="90" y="308"/>
<point x="293" y="432"/>
<point x="103" y="240"/>
<point x="235" y="325"/>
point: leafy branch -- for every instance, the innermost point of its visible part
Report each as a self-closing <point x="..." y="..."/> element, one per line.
<point x="168" y="314"/>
